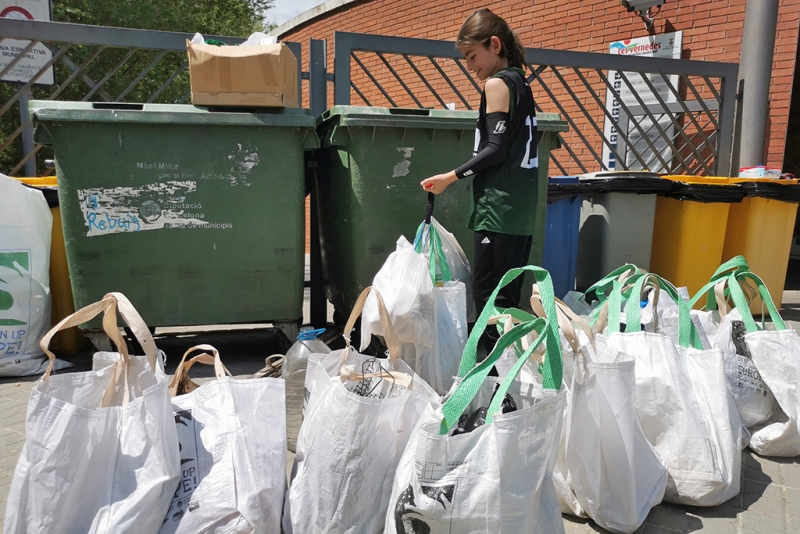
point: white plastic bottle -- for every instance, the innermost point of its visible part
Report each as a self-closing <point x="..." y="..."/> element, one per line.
<point x="294" y="372"/>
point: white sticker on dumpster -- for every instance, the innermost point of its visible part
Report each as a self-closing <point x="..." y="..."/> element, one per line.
<point x="401" y="168"/>
<point x="135" y="209"/>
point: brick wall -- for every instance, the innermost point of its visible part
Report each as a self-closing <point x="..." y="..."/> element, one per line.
<point x="712" y="31"/>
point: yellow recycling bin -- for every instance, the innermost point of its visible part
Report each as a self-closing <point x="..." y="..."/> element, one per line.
<point x="761" y="228"/>
<point x="689" y="229"/>
<point x="71" y="340"/>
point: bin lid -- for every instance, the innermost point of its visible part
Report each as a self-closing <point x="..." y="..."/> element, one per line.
<point x="639" y="182"/>
<point x="566" y="187"/>
<point x="706" y="192"/>
<point x="51" y="110"/>
<point x="712" y="180"/>
<point x="42" y="181"/>
<point x="770" y="188"/>
<point x="442" y="119"/>
<point x="562" y="180"/>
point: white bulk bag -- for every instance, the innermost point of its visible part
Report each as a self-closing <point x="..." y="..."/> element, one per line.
<point x="497" y="477"/>
<point x="609" y="469"/>
<point x="101" y="450"/>
<point x="776" y="355"/>
<point x="699" y="440"/>
<point x="232" y="441"/>
<point x="25" y="231"/>
<point x="754" y="399"/>
<point x="359" y="415"/>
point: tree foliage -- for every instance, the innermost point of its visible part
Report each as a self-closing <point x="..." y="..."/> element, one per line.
<point x="213" y="17"/>
<point x="234" y="18"/>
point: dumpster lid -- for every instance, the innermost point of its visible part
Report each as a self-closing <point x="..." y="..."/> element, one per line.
<point x="639" y="182"/>
<point x="51" y="110"/>
<point x="444" y="119"/>
<point x="706" y="193"/>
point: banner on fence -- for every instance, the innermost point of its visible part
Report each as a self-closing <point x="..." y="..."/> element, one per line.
<point x="667" y="45"/>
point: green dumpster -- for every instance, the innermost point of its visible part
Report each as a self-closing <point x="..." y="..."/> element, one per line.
<point x="196" y="215"/>
<point x="372" y="162"/>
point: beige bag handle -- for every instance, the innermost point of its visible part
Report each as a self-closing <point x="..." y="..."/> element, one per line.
<point x="181" y="383"/>
<point x="602" y="320"/>
<point x="348" y="373"/>
<point x="108" y="307"/>
<point x="566" y="318"/>
<point x="723" y="305"/>
<point x="139" y="328"/>
<point x="652" y="282"/>
<point x="389" y="335"/>
<point x="272" y="365"/>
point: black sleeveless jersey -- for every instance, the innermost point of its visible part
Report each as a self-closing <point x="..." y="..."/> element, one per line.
<point x="504" y="197"/>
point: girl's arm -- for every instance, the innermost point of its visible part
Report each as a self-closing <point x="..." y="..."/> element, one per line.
<point x="497" y="122"/>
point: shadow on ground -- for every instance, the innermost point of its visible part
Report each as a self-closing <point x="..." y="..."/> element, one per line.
<point x="242" y="350"/>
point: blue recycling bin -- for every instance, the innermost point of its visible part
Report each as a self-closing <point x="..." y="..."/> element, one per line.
<point x="562" y="227"/>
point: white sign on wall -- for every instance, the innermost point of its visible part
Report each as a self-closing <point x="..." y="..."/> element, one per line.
<point x="38" y="56"/>
<point x="666" y="45"/>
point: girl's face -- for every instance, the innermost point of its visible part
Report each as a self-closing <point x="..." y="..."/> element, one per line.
<point x="484" y="61"/>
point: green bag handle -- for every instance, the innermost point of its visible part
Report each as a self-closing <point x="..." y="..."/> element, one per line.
<point x="602" y="286"/>
<point x="736" y="264"/>
<point x="551" y="369"/>
<point x="614" y="305"/>
<point x="687" y="333"/>
<point x="515" y="313"/>
<point x="741" y="302"/>
<point x="469" y="386"/>
<point x="619" y="292"/>
<point x="436" y="251"/>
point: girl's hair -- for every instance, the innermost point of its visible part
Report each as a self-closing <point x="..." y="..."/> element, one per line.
<point x="482" y="25"/>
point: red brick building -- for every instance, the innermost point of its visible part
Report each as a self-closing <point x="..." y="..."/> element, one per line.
<point x="712" y="31"/>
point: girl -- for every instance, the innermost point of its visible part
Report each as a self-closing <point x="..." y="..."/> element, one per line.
<point x="504" y="169"/>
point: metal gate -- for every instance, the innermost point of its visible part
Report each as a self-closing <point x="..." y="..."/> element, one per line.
<point x="624" y="112"/>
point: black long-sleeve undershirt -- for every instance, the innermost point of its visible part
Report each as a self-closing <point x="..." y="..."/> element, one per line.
<point x="496" y="151"/>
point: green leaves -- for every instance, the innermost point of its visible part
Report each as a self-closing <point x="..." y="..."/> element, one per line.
<point x="237" y="18"/>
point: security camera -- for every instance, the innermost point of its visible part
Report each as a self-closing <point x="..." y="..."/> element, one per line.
<point x="641" y="5"/>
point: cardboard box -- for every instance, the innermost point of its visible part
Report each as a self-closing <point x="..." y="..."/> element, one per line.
<point x="261" y="76"/>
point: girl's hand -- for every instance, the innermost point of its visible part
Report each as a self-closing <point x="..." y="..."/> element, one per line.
<point x="437" y="184"/>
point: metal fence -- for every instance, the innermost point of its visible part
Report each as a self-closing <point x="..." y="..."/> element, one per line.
<point x="91" y="63"/>
<point x="665" y="115"/>
<point x="624" y="112"/>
